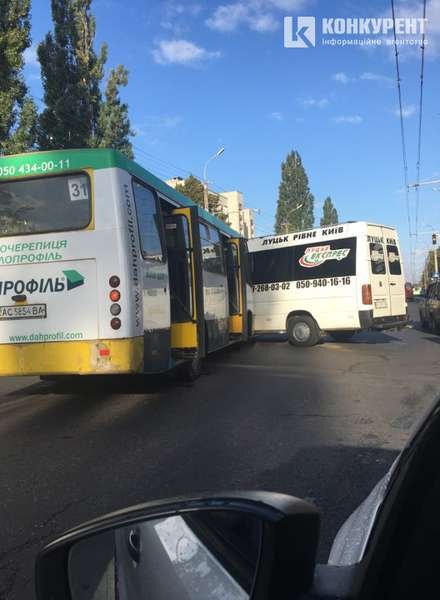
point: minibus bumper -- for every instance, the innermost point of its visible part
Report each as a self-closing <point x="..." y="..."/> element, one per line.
<point x="367" y="321"/>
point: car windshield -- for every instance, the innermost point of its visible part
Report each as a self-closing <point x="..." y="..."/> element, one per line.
<point x="219" y="264"/>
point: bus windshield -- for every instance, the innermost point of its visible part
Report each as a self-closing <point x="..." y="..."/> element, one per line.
<point x="47" y="204"/>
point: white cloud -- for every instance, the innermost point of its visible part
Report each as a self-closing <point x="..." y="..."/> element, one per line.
<point x="276" y="116"/>
<point x="315" y="102"/>
<point x="341" y="78"/>
<point x="258" y="15"/>
<point x="262" y="22"/>
<point x="413" y="9"/>
<point x="407" y="111"/>
<point x="287" y="4"/>
<point x="368" y="76"/>
<point x="30" y="57"/>
<point x="173" y="9"/>
<point x="348" y="119"/>
<point x="181" y="52"/>
<point x="228" y="17"/>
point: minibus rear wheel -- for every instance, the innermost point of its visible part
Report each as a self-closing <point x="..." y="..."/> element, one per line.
<point x="302" y="330"/>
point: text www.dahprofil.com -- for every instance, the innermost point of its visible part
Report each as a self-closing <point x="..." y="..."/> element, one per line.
<point x="46" y="337"/>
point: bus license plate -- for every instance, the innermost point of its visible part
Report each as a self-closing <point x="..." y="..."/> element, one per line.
<point x="381" y="303"/>
<point x="24" y="311"/>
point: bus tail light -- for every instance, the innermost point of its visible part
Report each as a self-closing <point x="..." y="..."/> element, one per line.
<point x="114" y="281"/>
<point x="115" y="295"/>
<point x="367" y="296"/>
<point x="104" y="351"/>
<point x="115" y="323"/>
<point x="115" y="309"/>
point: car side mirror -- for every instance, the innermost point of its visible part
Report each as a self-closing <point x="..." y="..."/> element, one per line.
<point x="236" y="546"/>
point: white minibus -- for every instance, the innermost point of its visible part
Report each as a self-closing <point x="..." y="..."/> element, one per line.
<point x="339" y="279"/>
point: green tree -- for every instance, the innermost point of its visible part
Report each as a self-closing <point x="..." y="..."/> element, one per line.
<point x="329" y="213"/>
<point x="193" y="188"/>
<point x="295" y="201"/>
<point x="17" y="111"/>
<point x="71" y="73"/>
<point x="114" y="129"/>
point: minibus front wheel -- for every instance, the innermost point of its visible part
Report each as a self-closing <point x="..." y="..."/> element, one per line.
<point x="302" y="330"/>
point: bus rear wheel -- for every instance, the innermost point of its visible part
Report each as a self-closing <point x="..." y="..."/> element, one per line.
<point x="342" y="336"/>
<point x="302" y="330"/>
<point x="191" y="369"/>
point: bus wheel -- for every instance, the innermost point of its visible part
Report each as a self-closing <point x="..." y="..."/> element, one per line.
<point x="302" y="330"/>
<point x="191" y="370"/>
<point x="342" y="336"/>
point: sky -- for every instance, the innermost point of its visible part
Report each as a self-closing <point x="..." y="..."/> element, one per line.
<point x="210" y="74"/>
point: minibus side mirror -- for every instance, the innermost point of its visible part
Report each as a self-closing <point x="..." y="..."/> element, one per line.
<point x="244" y="546"/>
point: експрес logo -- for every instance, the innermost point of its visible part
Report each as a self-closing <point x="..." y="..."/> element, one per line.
<point x="318" y="255"/>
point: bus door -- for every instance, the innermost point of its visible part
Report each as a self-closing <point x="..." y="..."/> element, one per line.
<point x="396" y="278"/>
<point x="235" y="263"/>
<point x="186" y="288"/>
<point x="380" y="284"/>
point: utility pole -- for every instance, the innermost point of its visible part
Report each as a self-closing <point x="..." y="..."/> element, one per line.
<point x="285" y="223"/>
<point x="434" y="243"/>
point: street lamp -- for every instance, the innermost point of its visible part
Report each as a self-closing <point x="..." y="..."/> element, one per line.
<point x="219" y="152"/>
<point x="285" y="223"/>
<point x="422" y="183"/>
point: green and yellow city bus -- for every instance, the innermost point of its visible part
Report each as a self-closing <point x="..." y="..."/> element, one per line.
<point x="105" y="269"/>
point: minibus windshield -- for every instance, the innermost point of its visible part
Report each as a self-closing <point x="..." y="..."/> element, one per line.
<point x="46" y="204"/>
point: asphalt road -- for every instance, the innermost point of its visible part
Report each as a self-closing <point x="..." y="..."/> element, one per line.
<point x="323" y="423"/>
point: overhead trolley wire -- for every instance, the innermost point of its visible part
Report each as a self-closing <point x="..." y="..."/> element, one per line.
<point x="419" y="143"/>
<point x="402" y="130"/>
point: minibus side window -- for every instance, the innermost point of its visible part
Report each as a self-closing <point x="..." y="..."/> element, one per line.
<point x="272" y="266"/>
<point x="377" y="259"/>
<point x="148" y="221"/>
<point x="394" y="260"/>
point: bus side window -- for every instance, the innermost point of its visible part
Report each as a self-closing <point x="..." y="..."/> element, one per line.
<point x="148" y="221"/>
<point x="394" y="260"/>
<point x="377" y="259"/>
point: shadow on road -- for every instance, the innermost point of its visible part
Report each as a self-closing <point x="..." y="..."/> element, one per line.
<point x="108" y="384"/>
<point x="334" y="478"/>
<point x="433" y="338"/>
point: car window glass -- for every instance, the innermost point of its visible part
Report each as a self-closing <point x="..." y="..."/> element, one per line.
<point x="377" y="259"/>
<point x="394" y="260"/>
